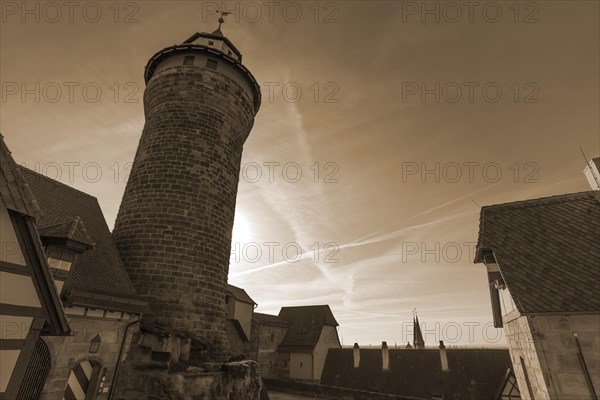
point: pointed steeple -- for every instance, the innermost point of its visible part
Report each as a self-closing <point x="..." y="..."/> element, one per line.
<point x="418" y="341"/>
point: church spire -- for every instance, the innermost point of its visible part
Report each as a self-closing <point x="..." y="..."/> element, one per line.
<point x="418" y="341"/>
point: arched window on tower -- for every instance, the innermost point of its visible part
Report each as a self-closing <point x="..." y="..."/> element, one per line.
<point x="83" y="381"/>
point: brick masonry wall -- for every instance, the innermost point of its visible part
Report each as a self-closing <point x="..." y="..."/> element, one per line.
<point x="548" y="347"/>
<point x="173" y="230"/>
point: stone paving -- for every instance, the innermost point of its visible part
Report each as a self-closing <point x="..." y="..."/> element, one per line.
<point x="285" y="396"/>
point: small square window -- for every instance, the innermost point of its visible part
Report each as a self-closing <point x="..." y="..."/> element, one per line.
<point x="211" y="64"/>
<point x="211" y="43"/>
<point x="188" y="60"/>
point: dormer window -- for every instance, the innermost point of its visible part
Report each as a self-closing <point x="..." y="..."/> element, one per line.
<point x="211" y="42"/>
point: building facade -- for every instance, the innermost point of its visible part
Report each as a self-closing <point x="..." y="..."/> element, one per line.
<point x="240" y="311"/>
<point x="98" y="297"/>
<point x="542" y="258"/>
<point x="30" y="307"/>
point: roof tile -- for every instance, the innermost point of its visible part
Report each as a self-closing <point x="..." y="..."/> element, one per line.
<point x="548" y="251"/>
<point x="99" y="270"/>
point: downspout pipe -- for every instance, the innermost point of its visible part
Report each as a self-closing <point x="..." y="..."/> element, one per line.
<point x="586" y="372"/>
<point x="117" y="367"/>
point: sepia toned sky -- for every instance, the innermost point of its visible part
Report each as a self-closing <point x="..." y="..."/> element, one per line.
<point x="384" y="127"/>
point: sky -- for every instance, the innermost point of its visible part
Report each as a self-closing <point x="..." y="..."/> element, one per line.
<point x="384" y="127"/>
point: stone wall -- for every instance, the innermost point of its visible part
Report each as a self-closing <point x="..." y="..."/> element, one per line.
<point x="166" y="365"/>
<point x="519" y="335"/>
<point x="550" y="353"/>
<point x="174" y="225"/>
<point x="231" y="381"/>
<point x="272" y="363"/>
<point x="68" y="351"/>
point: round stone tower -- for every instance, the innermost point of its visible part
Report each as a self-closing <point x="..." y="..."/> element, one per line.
<point x="173" y="229"/>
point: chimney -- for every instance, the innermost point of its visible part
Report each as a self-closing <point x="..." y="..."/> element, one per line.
<point x="443" y="357"/>
<point x="356" y="355"/>
<point x="385" y="356"/>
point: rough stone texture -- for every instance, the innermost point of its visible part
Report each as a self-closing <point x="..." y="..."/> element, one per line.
<point x="67" y="351"/>
<point x="173" y="230"/>
<point x="167" y="364"/>
<point x="273" y="364"/>
<point x="549" y="350"/>
<point x="160" y="365"/>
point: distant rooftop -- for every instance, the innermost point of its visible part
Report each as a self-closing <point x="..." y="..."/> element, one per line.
<point x="473" y="373"/>
<point x="306" y="324"/>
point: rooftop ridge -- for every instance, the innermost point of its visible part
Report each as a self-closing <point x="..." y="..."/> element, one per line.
<point x="561" y="198"/>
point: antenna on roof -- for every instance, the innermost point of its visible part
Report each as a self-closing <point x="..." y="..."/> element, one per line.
<point x="587" y="163"/>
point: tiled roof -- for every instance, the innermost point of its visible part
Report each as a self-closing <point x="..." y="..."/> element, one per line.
<point x="99" y="270"/>
<point x="306" y="324"/>
<point x="268" y="319"/>
<point x="14" y="191"/>
<point x="473" y="373"/>
<point x="548" y="251"/>
<point x="239" y="293"/>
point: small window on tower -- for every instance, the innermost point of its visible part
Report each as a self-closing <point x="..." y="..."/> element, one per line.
<point x="211" y="42"/>
<point x="188" y="60"/>
<point x="211" y="64"/>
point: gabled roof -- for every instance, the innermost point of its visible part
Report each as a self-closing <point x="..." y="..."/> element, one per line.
<point x="239" y="294"/>
<point x="473" y="373"/>
<point x="547" y="251"/>
<point x="14" y="191"/>
<point x="18" y="199"/>
<point x="99" y="270"/>
<point x="306" y="324"/>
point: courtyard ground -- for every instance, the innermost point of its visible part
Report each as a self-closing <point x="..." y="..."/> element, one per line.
<point x="285" y="396"/>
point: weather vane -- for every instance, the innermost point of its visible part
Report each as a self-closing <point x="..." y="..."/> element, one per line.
<point x="223" y="14"/>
